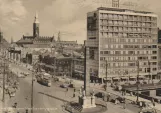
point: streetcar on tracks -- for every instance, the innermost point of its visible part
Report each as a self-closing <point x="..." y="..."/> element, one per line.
<point x="44" y="79"/>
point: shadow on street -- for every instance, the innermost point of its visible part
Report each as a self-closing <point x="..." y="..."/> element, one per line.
<point x="53" y="97"/>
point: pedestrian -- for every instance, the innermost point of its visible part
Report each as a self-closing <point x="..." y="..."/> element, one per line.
<point x="26" y="110"/>
<point x="66" y="89"/>
<point x="141" y="106"/>
<point x="73" y="94"/>
<point x="74" y="89"/>
<point x="107" y="105"/>
<point x="124" y="103"/>
<point x="115" y="101"/>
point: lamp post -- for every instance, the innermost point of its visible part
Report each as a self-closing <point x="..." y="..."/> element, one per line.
<point x="106" y="75"/>
<point x="137" y="63"/>
<point x="32" y="88"/>
<point x="149" y="72"/>
<point x="3" y="99"/>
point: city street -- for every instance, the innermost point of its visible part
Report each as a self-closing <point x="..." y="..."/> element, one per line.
<point x="49" y="99"/>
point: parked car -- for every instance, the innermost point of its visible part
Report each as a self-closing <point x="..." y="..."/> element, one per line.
<point x="26" y="74"/>
<point x="121" y="99"/>
<point x="71" y="85"/>
<point x="56" y="79"/>
<point x="63" y="86"/>
<point x="99" y="95"/>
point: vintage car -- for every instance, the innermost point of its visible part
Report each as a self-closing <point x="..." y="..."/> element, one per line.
<point x="64" y="85"/>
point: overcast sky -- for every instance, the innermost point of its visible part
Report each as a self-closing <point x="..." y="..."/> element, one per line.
<point x="66" y="16"/>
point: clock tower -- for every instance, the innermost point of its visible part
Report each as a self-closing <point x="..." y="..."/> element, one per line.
<point x="36" y="26"/>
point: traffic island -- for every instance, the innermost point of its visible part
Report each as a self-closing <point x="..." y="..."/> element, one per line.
<point x="74" y="107"/>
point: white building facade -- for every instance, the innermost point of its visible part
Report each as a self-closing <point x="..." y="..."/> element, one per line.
<point x="122" y="37"/>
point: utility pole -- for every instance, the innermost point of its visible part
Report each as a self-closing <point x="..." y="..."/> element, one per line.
<point x="149" y="72"/>
<point x="4" y="84"/>
<point x="55" y="62"/>
<point x="32" y="93"/>
<point x="71" y="71"/>
<point x="106" y="75"/>
<point x="137" y="81"/>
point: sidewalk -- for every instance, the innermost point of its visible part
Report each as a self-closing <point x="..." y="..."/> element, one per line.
<point x="114" y="109"/>
<point x="99" y="88"/>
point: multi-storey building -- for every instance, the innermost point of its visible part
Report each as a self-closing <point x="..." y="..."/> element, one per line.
<point x="122" y="37"/>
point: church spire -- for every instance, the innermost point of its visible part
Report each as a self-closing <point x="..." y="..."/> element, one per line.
<point x="36" y="18"/>
<point x="36" y="26"/>
<point x="59" y="36"/>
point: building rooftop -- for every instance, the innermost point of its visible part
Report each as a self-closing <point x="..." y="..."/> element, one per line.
<point x="123" y="10"/>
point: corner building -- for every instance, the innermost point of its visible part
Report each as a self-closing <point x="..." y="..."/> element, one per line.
<point x="122" y="37"/>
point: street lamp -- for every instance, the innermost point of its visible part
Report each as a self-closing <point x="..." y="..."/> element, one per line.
<point x="149" y="72"/>
<point x="106" y="75"/>
<point x="137" y="63"/>
<point x="32" y="89"/>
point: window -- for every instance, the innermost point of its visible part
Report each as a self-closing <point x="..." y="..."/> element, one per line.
<point x="106" y="52"/>
<point x="154" y="46"/>
<point x="102" y="58"/>
<point x="117" y="52"/>
<point x="91" y="54"/>
<point x="154" y="69"/>
<point x="154" y="52"/>
<point x="153" y="57"/>
<point x="154" y="63"/>
<point x="91" y="38"/>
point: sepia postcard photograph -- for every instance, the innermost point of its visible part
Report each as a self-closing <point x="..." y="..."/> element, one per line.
<point x="80" y="56"/>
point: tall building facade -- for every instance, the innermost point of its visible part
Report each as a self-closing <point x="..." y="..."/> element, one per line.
<point x="122" y="37"/>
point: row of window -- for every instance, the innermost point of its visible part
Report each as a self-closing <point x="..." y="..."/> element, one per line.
<point x="131" y="58"/>
<point x="128" y="64"/>
<point x="127" y="52"/>
<point x="126" y="35"/>
<point x="126" y="72"/>
<point x="121" y="46"/>
<point x="125" y="23"/>
<point x="126" y="29"/>
<point x="127" y="17"/>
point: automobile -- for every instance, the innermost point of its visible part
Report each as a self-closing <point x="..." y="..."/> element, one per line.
<point x="63" y="86"/>
<point x="56" y="79"/>
<point x="99" y="95"/>
<point x="26" y="74"/>
<point x="121" y="99"/>
<point x="144" y="82"/>
<point x="71" y="85"/>
<point x="21" y="76"/>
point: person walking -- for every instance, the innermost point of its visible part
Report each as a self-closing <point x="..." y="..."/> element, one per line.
<point x="66" y="91"/>
<point x="141" y="106"/>
<point x="73" y="94"/>
<point x="124" y="103"/>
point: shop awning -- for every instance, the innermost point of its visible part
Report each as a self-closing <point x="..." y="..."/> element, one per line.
<point x="141" y="77"/>
<point x="124" y="77"/>
<point x="116" y="78"/>
<point x="133" y="77"/>
<point x="79" y="71"/>
<point x="107" y="78"/>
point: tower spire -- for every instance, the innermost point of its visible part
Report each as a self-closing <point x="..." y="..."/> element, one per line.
<point x="11" y="40"/>
<point x="59" y="36"/>
<point x="36" y="26"/>
<point x="36" y="18"/>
